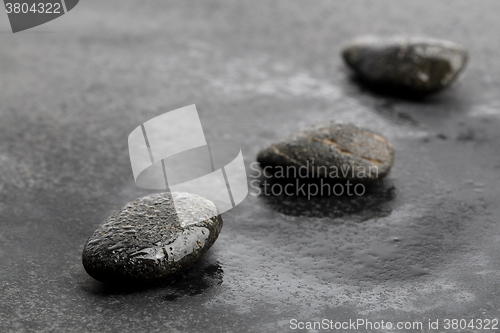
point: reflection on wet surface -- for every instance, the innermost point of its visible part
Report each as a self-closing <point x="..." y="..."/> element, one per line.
<point x="200" y="277"/>
<point x="375" y="202"/>
<point x="193" y="282"/>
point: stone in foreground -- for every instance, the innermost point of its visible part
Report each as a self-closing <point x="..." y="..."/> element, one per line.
<point x="334" y="151"/>
<point x="418" y="64"/>
<point x="150" y="238"/>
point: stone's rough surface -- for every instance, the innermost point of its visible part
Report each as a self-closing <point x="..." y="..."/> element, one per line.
<point x="151" y="238"/>
<point x="418" y="64"/>
<point x="330" y="150"/>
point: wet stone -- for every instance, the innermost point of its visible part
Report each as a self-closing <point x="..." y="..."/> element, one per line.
<point x="150" y="238"/>
<point x="417" y="64"/>
<point x="330" y="150"/>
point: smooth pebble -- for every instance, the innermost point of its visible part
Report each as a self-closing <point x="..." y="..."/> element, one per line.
<point x="419" y="64"/>
<point x="152" y="237"/>
<point x="332" y="150"/>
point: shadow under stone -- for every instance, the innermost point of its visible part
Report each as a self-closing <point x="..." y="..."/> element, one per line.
<point x="320" y="197"/>
<point x="196" y="279"/>
<point x="390" y="90"/>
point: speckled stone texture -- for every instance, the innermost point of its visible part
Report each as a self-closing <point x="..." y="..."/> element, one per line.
<point x="422" y="65"/>
<point x="152" y="237"/>
<point x="335" y="151"/>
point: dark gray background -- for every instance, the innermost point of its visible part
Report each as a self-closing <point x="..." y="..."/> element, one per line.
<point x="423" y="245"/>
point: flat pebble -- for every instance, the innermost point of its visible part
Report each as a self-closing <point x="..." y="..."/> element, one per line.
<point x="331" y="150"/>
<point x="418" y="64"/>
<point x="152" y="237"/>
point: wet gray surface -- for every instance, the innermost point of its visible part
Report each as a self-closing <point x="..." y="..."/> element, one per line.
<point x="423" y="245"/>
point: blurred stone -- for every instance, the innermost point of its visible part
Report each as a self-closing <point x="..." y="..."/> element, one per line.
<point x="151" y="238"/>
<point x="330" y="150"/>
<point x="421" y="65"/>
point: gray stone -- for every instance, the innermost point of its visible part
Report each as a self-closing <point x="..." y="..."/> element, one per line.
<point x="330" y="150"/>
<point x="150" y="238"/>
<point x="419" y="64"/>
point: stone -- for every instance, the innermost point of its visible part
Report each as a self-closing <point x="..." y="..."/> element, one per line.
<point x="417" y="64"/>
<point x="150" y="238"/>
<point x="331" y="150"/>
